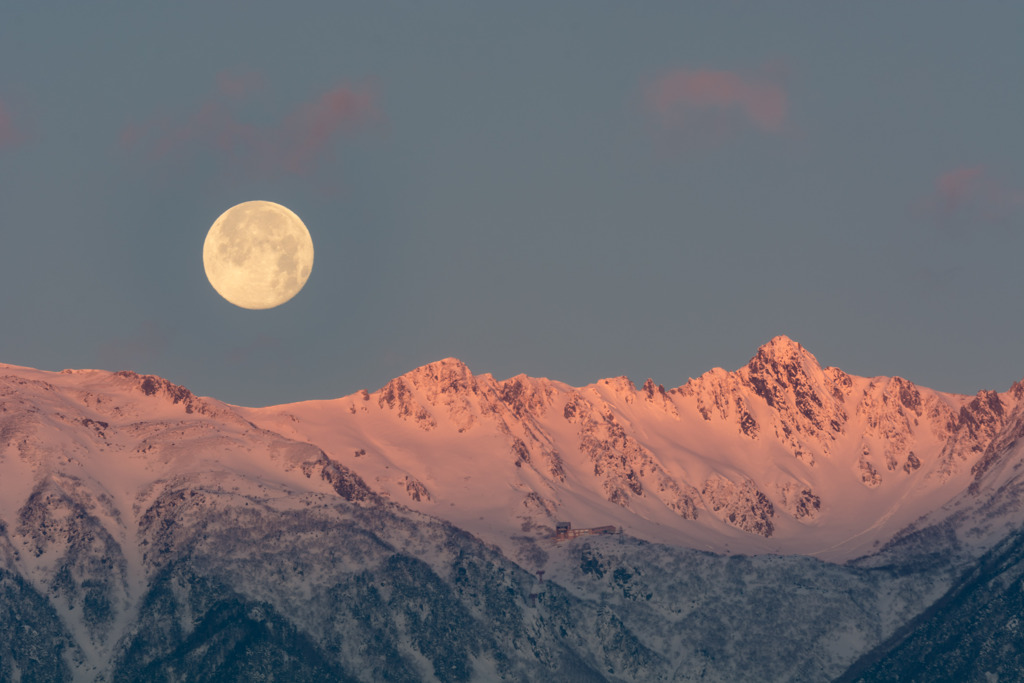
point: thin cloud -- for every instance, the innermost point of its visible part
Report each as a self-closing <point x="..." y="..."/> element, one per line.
<point x="310" y="128"/>
<point x="973" y="192"/>
<point x="958" y="187"/>
<point x="296" y="144"/>
<point x="694" y="97"/>
<point x="9" y="135"/>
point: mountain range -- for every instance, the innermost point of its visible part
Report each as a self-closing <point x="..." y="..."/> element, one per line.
<point x="783" y="518"/>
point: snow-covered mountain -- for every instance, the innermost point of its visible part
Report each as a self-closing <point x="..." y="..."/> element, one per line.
<point x="780" y="456"/>
<point x="783" y="517"/>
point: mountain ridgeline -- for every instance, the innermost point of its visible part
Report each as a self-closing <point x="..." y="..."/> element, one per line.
<point x="782" y="518"/>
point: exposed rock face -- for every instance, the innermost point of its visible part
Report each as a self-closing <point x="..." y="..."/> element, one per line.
<point x="718" y="395"/>
<point x="620" y="462"/>
<point x="972" y="429"/>
<point x="740" y="505"/>
<point x="416" y="490"/>
<point x="657" y="397"/>
<point x="912" y="463"/>
<point x="344" y="481"/>
<point x="1002" y="444"/>
<point x="789" y="379"/>
<point x="447" y="390"/>
<point x="868" y="474"/>
<point x="799" y="501"/>
<point x="890" y="412"/>
<point x="151" y="385"/>
<point x="525" y="397"/>
<point x="397" y="396"/>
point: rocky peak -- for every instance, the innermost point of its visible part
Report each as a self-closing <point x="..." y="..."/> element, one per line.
<point x="805" y="399"/>
<point x="784" y="361"/>
<point x="782" y="369"/>
<point x="449" y="375"/>
<point x="525" y="396"/>
<point x="981" y="417"/>
<point x="782" y="350"/>
<point x="905" y="393"/>
<point x="152" y="385"/>
<point x="620" y="387"/>
<point x="655" y="395"/>
<point x="446" y="386"/>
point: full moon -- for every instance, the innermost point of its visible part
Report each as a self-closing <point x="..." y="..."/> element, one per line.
<point x="258" y="255"/>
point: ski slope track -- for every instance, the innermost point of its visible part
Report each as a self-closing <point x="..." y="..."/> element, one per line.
<point x="136" y="516"/>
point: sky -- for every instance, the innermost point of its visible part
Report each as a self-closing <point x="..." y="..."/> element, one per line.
<point x="572" y="190"/>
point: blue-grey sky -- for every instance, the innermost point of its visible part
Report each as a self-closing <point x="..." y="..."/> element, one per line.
<point x="567" y="189"/>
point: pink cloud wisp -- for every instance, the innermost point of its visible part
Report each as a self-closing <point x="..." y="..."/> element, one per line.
<point x="956" y="187"/>
<point x="971" y="190"/>
<point x="680" y="94"/>
<point x="311" y="127"/>
<point x="8" y="133"/>
<point x="294" y="145"/>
